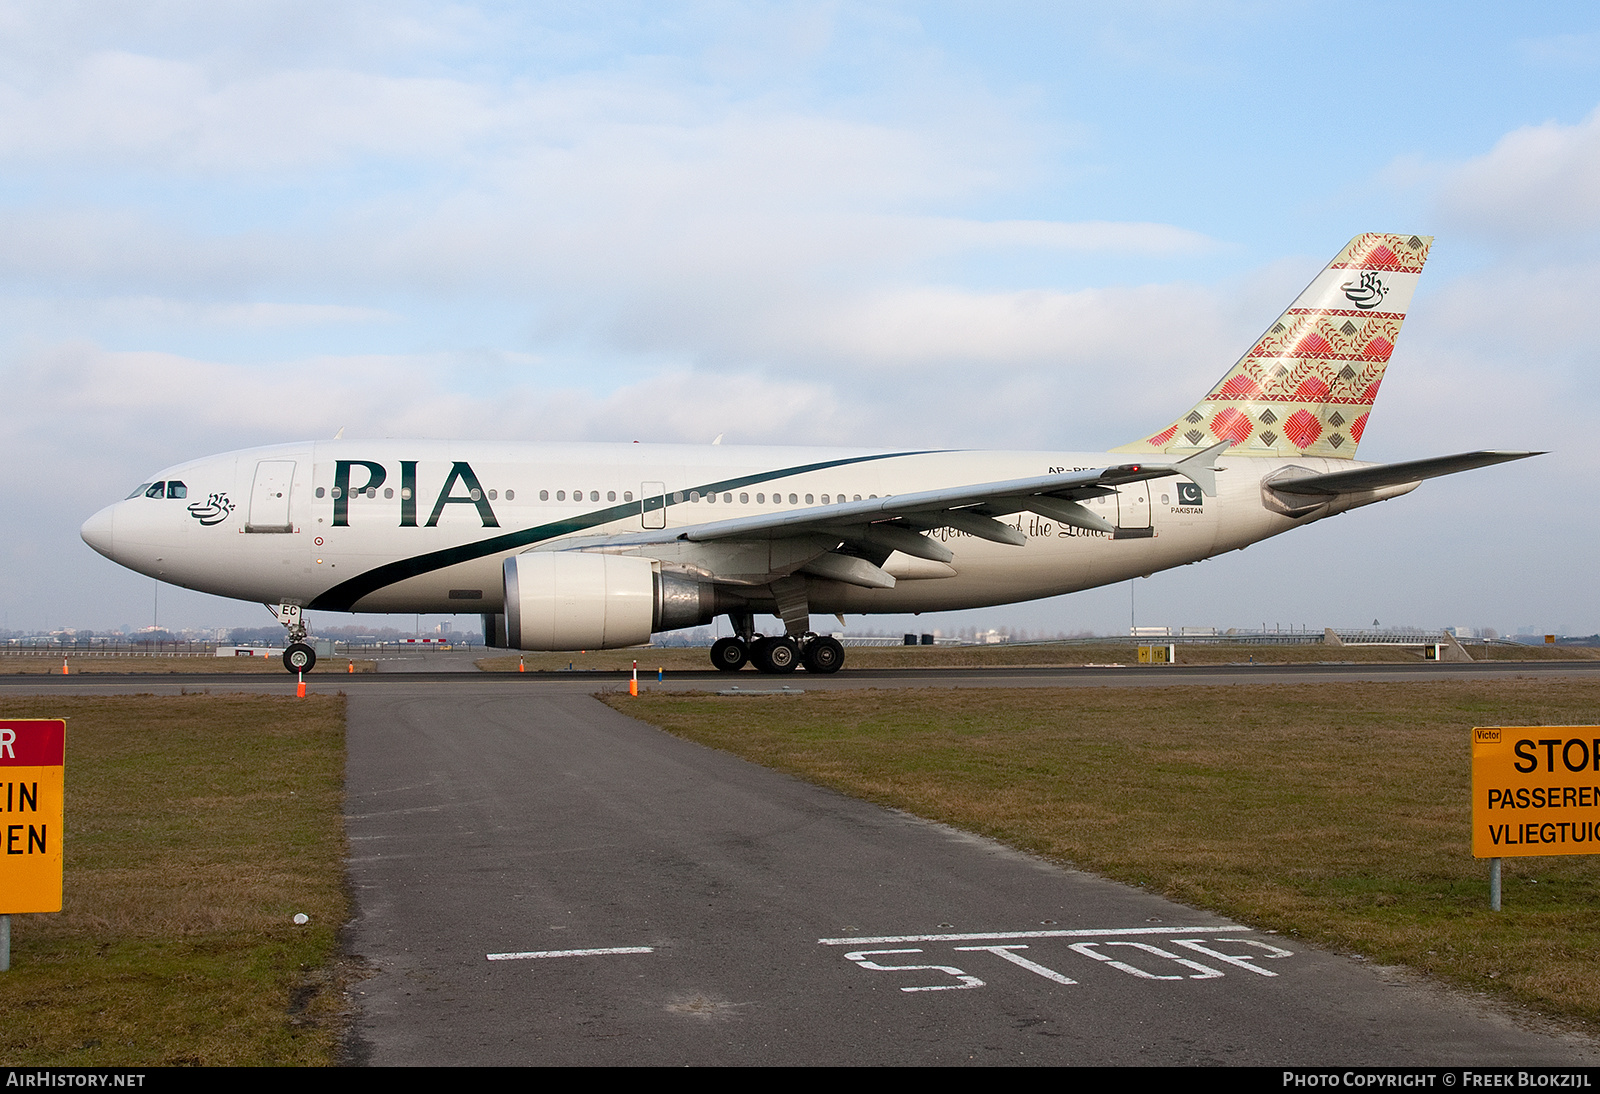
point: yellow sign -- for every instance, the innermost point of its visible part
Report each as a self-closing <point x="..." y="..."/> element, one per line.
<point x="32" y="762"/>
<point x="1535" y="791"/>
<point x="1157" y="655"/>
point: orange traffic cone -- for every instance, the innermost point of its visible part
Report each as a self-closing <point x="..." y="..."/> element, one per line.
<point x="633" y="684"/>
<point x="63" y="666"/>
<point x="352" y="667"/>
<point x="520" y="666"/>
<point x="300" y="692"/>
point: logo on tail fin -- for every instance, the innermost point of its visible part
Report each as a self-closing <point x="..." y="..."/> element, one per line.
<point x="1367" y="292"/>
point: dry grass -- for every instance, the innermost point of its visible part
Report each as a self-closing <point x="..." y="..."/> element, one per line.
<point x="196" y="827"/>
<point x="91" y="665"/>
<point x="1335" y="812"/>
<point x="678" y="658"/>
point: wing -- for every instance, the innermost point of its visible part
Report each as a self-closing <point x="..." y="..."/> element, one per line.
<point x="850" y="541"/>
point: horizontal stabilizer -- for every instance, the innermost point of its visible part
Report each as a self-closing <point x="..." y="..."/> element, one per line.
<point x="1391" y="474"/>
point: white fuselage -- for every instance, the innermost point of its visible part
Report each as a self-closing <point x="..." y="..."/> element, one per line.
<point x="393" y="526"/>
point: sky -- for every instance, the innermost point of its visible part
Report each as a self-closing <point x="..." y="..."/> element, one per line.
<point x="1024" y="226"/>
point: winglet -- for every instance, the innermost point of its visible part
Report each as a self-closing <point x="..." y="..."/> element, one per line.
<point x="1199" y="467"/>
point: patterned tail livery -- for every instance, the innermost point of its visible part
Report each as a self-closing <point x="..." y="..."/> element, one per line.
<point x="1308" y="384"/>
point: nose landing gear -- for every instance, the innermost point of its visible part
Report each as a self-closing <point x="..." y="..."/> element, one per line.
<point x="299" y="656"/>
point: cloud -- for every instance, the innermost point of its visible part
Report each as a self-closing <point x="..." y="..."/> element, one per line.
<point x="1537" y="184"/>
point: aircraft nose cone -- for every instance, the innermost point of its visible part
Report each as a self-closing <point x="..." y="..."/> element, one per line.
<point x="96" y="531"/>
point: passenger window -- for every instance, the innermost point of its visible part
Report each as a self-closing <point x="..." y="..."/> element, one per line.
<point x="492" y="494"/>
<point x="561" y="495"/>
<point x="611" y="495"/>
<point x="810" y="499"/>
<point x="677" y="497"/>
<point x="544" y="495"/>
<point x="794" y="499"/>
<point x="511" y="495"/>
<point x="388" y="492"/>
<point x="694" y="495"/>
<point x="177" y="490"/>
<point x="744" y="499"/>
<point x="761" y="499"/>
<point x="824" y="499"/>
<point x="321" y="491"/>
<point x="627" y="495"/>
<point x="594" y="495"/>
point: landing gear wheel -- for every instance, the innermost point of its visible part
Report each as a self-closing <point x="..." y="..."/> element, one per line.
<point x="776" y="655"/>
<point x="299" y="657"/>
<point x="729" y="654"/>
<point x="823" y="655"/>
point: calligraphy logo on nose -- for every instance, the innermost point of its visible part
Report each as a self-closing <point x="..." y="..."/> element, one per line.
<point x="1189" y="494"/>
<point x="214" y="510"/>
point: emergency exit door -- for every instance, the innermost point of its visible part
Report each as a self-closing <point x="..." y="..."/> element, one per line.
<point x="269" y="497"/>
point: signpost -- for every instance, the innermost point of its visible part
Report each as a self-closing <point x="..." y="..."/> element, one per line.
<point x="1535" y="791"/>
<point x="32" y="765"/>
<point x="1158" y="655"/>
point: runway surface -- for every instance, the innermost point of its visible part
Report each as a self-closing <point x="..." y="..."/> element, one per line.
<point x="539" y="879"/>
<point x="453" y="674"/>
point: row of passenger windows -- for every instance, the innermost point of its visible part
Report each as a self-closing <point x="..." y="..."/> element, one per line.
<point x="678" y="497"/>
<point x="170" y="489"/>
<point x="405" y="493"/>
<point x="594" y="495"/>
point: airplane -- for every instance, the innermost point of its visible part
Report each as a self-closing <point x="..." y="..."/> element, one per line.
<point x="595" y="546"/>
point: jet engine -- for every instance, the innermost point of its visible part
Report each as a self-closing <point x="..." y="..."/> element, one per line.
<point x="573" y="600"/>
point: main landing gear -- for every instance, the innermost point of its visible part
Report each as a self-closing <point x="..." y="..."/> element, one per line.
<point x="818" y="653"/>
<point x="299" y="656"/>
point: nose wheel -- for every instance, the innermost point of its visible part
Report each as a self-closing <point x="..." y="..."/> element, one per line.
<point x="299" y="657"/>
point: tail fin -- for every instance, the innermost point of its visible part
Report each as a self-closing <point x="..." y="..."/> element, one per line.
<point x="1308" y="384"/>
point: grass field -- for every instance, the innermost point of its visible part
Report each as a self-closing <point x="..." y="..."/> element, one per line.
<point x="1337" y="813"/>
<point x="196" y="827"/>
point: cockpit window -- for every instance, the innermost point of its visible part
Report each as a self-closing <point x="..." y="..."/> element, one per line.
<point x="176" y="489"/>
<point x="156" y="490"/>
<point x="140" y="489"/>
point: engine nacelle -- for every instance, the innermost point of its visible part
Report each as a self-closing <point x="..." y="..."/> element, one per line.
<point x="573" y="600"/>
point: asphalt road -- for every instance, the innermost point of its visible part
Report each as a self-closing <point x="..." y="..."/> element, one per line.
<point x="458" y="673"/>
<point x="541" y="880"/>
